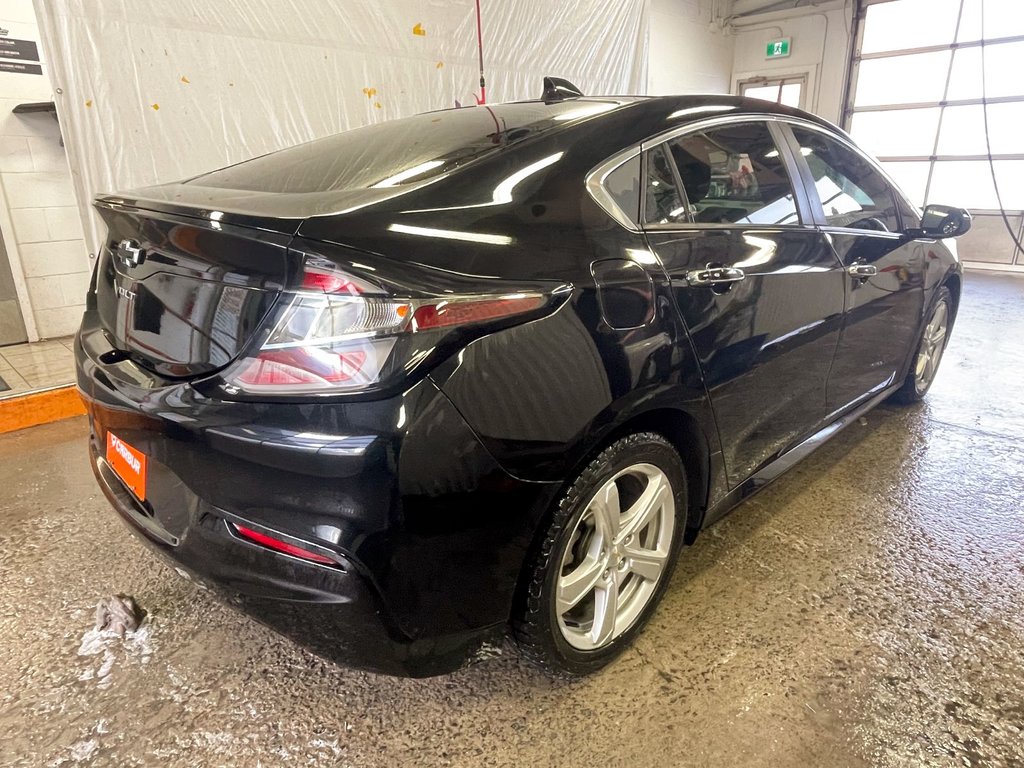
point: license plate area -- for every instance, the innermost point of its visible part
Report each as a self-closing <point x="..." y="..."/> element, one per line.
<point x="128" y="463"/>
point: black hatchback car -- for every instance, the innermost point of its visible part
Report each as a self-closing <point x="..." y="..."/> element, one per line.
<point x="401" y="389"/>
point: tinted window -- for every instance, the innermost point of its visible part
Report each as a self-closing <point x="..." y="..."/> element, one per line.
<point x="852" y="192"/>
<point x="396" y="152"/>
<point x="623" y="184"/>
<point x="663" y="204"/>
<point x="734" y="175"/>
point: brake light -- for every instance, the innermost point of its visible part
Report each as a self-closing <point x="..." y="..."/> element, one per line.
<point x="340" y="333"/>
<point x="281" y="546"/>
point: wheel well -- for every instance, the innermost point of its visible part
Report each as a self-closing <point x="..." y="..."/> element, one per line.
<point x="686" y="436"/>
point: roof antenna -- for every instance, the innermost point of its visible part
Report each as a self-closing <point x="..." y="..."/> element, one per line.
<point x="559" y="89"/>
<point x="480" y="49"/>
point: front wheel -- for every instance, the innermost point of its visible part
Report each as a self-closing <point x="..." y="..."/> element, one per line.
<point x="606" y="557"/>
<point x="929" y="351"/>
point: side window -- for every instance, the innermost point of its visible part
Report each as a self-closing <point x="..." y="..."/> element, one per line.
<point x="662" y="202"/>
<point x="852" y="192"/>
<point x="734" y="175"/>
<point x="623" y="185"/>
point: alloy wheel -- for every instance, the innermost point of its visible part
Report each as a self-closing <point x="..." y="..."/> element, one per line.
<point x="933" y="344"/>
<point x="615" y="557"/>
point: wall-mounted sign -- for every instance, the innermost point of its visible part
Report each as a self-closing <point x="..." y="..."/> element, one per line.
<point x="12" y="48"/>
<point x="778" y="49"/>
<point x="20" y="67"/>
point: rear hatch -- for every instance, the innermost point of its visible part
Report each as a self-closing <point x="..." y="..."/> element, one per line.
<point x="182" y="290"/>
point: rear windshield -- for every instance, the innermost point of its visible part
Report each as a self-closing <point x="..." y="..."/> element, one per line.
<point x="399" y="151"/>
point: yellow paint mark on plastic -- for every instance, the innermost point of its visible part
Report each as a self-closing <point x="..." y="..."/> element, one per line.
<point x="370" y="92"/>
<point x="376" y="104"/>
<point x="155" y="106"/>
<point x="185" y="79"/>
<point x="439" y="65"/>
<point x="419" y="30"/>
<point x="88" y="103"/>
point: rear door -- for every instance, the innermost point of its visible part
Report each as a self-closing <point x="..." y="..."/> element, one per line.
<point x="856" y="209"/>
<point x="761" y="293"/>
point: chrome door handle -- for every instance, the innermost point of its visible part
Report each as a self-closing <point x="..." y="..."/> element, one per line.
<point x="862" y="270"/>
<point x="715" y="276"/>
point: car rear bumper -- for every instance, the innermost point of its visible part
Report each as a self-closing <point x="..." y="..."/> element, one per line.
<point x="428" y="533"/>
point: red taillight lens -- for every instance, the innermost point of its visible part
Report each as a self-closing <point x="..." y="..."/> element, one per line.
<point x="281" y="546"/>
<point x="321" y="275"/>
<point x="328" y="283"/>
<point x="445" y="314"/>
<point x="302" y="365"/>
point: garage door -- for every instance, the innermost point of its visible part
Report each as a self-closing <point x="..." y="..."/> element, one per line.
<point x="923" y="72"/>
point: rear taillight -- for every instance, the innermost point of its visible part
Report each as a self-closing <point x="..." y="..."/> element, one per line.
<point x="340" y="333"/>
<point x="445" y="314"/>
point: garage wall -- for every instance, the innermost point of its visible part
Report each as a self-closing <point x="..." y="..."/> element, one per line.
<point x="155" y="91"/>
<point x="688" y="52"/>
<point x="39" y="217"/>
<point x="820" y="48"/>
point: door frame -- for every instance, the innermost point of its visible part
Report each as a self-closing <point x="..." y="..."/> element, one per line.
<point x="17" y="272"/>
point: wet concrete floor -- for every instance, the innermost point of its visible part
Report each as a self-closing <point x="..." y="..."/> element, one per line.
<point x="866" y="609"/>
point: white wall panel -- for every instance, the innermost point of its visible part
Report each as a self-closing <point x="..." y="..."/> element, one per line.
<point x="688" y="52"/>
<point x="820" y="50"/>
<point x="151" y="91"/>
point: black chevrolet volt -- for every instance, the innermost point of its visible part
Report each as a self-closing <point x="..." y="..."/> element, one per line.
<point x="404" y="390"/>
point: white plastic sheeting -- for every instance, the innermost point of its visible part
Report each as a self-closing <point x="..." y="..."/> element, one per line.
<point x="152" y="91"/>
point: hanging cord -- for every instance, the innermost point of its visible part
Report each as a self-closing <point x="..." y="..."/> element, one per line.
<point x="480" y="50"/>
<point x="988" y="139"/>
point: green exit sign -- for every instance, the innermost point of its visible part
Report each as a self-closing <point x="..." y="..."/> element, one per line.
<point x="778" y="49"/>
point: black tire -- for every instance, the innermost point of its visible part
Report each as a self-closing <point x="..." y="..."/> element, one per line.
<point x="535" y="624"/>
<point x="914" y="388"/>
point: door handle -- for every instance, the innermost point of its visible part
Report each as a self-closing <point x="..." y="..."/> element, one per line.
<point x="862" y="271"/>
<point x="715" y="276"/>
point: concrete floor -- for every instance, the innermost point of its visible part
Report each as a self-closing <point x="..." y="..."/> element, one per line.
<point x="867" y="609"/>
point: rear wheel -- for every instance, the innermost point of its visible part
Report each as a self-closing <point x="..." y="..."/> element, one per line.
<point x="930" y="348"/>
<point x="606" y="557"/>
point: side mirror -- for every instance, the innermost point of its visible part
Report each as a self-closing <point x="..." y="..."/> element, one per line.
<point x="939" y="221"/>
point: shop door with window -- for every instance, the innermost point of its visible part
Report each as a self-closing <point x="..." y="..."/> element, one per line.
<point x="12" y="326"/>
<point x="781" y="90"/>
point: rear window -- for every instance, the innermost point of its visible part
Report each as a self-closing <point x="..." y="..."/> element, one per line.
<point x="401" y="151"/>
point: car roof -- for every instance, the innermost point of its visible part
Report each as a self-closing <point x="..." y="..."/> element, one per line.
<point x="673" y="102"/>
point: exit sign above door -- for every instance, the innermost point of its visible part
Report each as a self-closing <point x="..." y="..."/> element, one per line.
<point x="778" y="49"/>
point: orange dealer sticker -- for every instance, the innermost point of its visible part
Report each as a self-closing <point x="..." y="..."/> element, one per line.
<point x="129" y="464"/>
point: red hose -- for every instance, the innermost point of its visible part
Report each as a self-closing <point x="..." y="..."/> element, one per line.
<point x="480" y="49"/>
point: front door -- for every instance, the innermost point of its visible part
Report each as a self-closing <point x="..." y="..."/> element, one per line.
<point x="885" y="283"/>
<point x="761" y="294"/>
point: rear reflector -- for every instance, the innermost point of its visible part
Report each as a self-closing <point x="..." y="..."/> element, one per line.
<point x="281" y="546"/>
